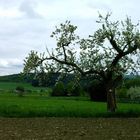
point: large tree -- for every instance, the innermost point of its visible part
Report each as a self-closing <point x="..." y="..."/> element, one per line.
<point x="106" y="55"/>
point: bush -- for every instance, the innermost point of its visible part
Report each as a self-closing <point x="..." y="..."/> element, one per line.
<point x="20" y="90"/>
<point x="58" y="89"/>
<point x="69" y="88"/>
<point x="97" y="91"/>
<point x="73" y="89"/>
<point x="77" y="91"/>
<point x="28" y="91"/>
<point x="35" y="83"/>
<point x="134" y="93"/>
<point x="121" y="92"/>
<point x="135" y="82"/>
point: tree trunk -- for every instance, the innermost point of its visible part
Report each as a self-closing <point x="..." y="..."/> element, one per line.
<point x="111" y="100"/>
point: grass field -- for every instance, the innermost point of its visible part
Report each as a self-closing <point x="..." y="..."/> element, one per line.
<point x="38" y="103"/>
<point x="44" y="106"/>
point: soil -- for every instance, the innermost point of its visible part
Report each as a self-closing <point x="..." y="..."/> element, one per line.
<point x="69" y="129"/>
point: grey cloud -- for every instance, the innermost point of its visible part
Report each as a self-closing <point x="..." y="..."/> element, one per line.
<point x="17" y="38"/>
<point x="11" y="70"/>
<point x="28" y="8"/>
<point x="10" y="66"/>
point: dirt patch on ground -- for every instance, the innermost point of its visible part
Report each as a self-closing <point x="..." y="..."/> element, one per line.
<point x="69" y="129"/>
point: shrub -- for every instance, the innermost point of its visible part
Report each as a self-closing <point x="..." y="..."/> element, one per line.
<point x="78" y="91"/>
<point x="135" y="82"/>
<point x="28" y="91"/>
<point x="35" y="83"/>
<point x="73" y="89"/>
<point x="134" y="93"/>
<point x="69" y="88"/>
<point x="97" y="91"/>
<point x="20" y="90"/>
<point x="58" y="89"/>
<point x="121" y="92"/>
<point x="44" y="92"/>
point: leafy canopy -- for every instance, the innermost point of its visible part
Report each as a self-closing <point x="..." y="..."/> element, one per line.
<point x="114" y="48"/>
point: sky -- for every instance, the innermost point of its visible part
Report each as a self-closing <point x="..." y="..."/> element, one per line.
<point x="26" y="25"/>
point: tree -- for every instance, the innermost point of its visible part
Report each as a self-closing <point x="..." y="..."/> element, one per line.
<point x="107" y="55"/>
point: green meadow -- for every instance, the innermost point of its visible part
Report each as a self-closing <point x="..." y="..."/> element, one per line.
<point x="44" y="106"/>
<point x="37" y="102"/>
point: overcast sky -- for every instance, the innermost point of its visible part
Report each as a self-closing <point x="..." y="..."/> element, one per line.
<point x="27" y="24"/>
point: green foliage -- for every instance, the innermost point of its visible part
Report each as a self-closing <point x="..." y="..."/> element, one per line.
<point x="31" y="63"/>
<point x="97" y="91"/>
<point x="77" y="90"/>
<point x="121" y="92"/>
<point x="73" y="89"/>
<point x="35" y="83"/>
<point x="132" y="82"/>
<point x="94" y="57"/>
<point x="58" y="89"/>
<point x="69" y="88"/>
<point x="20" y="88"/>
<point x="134" y="93"/>
<point x="20" y="91"/>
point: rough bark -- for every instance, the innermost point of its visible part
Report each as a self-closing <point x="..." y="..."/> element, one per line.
<point x="111" y="100"/>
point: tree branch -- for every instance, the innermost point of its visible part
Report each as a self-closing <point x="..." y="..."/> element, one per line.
<point x="130" y="50"/>
<point x="101" y="73"/>
<point x="114" y="45"/>
<point x="65" y="56"/>
<point x="64" y="62"/>
<point x="120" y="55"/>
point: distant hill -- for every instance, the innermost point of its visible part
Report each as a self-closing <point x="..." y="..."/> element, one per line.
<point x="50" y="81"/>
<point x="30" y="78"/>
<point x="16" y="78"/>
